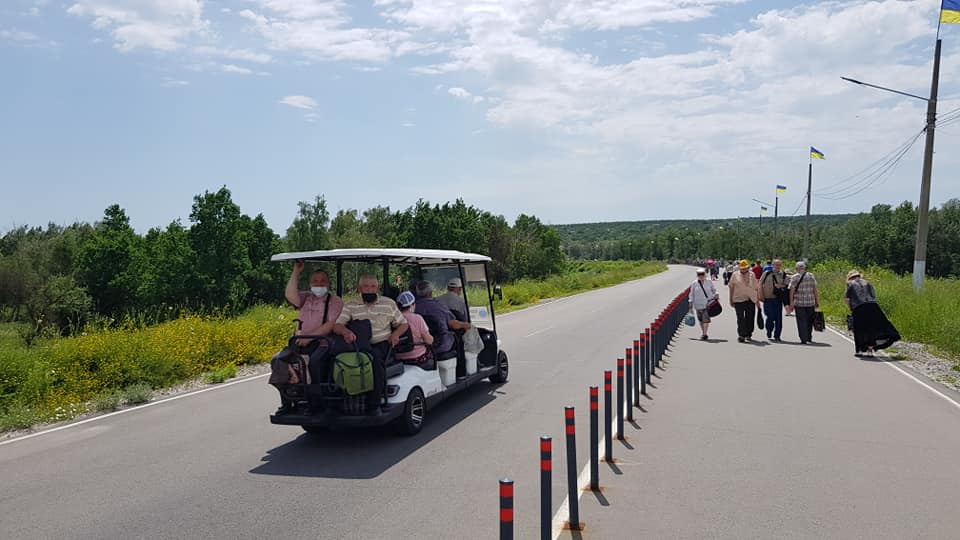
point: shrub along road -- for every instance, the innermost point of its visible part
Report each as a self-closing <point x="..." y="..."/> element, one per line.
<point x="829" y="446"/>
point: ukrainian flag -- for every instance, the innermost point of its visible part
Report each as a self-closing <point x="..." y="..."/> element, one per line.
<point x="781" y="189"/>
<point x="950" y="11"/>
<point x="816" y="154"/>
<point x="764" y="209"/>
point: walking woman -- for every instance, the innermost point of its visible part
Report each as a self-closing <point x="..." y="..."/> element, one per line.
<point x="744" y="299"/>
<point x="804" y="301"/>
<point x="702" y="292"/>
<point x="871" y="329"/>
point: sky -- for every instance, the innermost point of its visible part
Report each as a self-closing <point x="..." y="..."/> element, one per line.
<point x="571" y="110"/>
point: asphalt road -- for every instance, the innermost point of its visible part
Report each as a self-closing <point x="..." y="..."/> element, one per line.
<point x="781" y="440"/>
<point x="212" y="466"/>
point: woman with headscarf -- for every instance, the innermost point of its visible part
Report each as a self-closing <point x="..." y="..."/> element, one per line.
<point x="871" y="329"/>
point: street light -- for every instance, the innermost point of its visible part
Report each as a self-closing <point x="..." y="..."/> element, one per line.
<point x="920" y="251"/>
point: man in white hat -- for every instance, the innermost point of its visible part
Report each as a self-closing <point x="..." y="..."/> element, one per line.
<point x="453" y="299"/>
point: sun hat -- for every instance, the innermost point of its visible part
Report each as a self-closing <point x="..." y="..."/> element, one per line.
<point x="455" y="282"/>
<point x="406" y="298"/>
<point x="744" y="263"/>
<point x="852" y="274"/>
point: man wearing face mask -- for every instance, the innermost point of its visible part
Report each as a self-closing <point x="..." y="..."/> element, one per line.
<point x="387" y="324"/>
<point x="318" y="311"/>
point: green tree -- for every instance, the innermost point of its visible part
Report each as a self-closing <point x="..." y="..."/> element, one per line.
<point x="308" y="232"/>
<point x="217" y="236"/>
<point x="104" y="260"/>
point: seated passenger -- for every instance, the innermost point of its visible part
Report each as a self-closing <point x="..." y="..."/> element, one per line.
<point x="319" y="310"/>
<point x="418" y="328"/>
<point x="444" y="321"/>
<point x="453" y="299"/>
<point x="386" y="322"/>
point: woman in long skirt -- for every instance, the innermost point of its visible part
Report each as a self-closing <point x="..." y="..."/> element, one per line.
<point x="871" y="329"/>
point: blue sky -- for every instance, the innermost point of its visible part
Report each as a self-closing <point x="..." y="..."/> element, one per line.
<point x="573" y="110"/>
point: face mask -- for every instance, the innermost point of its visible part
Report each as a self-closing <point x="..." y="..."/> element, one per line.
<point x="319" y="291"/>
<point x="369" y="298"/>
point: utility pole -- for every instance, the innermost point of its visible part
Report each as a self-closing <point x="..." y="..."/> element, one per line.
<point x="923" y="208"/>
<point x="920" y="251"/>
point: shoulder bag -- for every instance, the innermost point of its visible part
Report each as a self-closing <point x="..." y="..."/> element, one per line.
<point x="713" y="305"/>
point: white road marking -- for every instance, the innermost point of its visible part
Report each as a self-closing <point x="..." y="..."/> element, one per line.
<point x="538" y="332"/>
<point x="898" y="368"/>
<point x="131" y="409"/>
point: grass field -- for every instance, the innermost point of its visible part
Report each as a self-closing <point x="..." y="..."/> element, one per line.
<point x="100" y="370"/>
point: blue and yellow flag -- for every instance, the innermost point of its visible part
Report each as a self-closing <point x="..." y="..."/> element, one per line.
<point x="816" y="154"/>
<point x="763" y="208"/>
<point x="950" y="11"/>
<point x="781" y="189"/>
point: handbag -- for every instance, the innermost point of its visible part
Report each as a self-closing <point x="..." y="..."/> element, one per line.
<point x="713" y="306"/>
<point x="819" y="324"/>
<point x="759" y="319"/>
<point x="850" y="322"/>
<point x="690" y="320"/>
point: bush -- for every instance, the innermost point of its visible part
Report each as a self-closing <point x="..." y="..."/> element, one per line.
<point x="219" y="375"/>
<point x="137" y="393"/>
<point x="107" y="402"/>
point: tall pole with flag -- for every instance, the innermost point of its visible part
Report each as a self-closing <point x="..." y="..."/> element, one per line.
<point x="814" y="154"/>
<point x="776" y="208"/>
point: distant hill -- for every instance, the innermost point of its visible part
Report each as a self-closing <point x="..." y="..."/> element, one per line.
<point x="622" y="230"/>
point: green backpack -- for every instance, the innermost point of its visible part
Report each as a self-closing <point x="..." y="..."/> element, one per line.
<point x="353" y="371"/>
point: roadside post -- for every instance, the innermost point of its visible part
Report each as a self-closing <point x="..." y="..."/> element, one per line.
<point x="639" y="387"/>
<point x="546" y="492"/>
<point x="607" y="416"/>
<point x="620" y="398"/>
<point x="572" y="488"/>
<point x="506" y="509"/>
<point x="628" y="352"/>
<point x="594" y="438"/>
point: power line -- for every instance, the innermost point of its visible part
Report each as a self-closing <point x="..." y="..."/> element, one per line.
<point x="878" y="177"/>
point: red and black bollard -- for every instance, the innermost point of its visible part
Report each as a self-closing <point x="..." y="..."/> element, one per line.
<point x="573" y="494"/>
<point x="620" y="398"/>
<point x="607" y="415"/>
<point x="628" y="352"/>
<point x="637" y="374"/>
<point x="546" y="491"/>
<point x="648" y="353"/>
<point x="506" y="509"/>
<point x="594" y="438"/>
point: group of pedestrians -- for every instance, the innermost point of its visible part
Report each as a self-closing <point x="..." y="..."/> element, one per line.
<point x="761" y="295"/>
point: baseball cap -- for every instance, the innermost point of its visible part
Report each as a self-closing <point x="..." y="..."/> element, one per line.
<point x="405" y="299"/>
<point x="701" y="271"/>
<point x="455" y="282"/>
<point x="744" y="263"/>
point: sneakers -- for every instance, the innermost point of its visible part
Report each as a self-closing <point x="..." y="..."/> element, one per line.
<point x="741" y="339"/>
<point x="703" y="337"/>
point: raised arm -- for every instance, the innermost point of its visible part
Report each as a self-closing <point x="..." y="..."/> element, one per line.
<point x="292" y="293"/>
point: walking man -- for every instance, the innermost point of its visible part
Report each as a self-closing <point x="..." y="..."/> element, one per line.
<point x="744" y="300"/>
<point x="804" y="299"/>
<point x="773" y="284"/>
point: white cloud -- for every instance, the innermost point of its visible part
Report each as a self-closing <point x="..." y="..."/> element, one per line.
<point x="161" y="25"/>
<point x="234" y="54"/>
<point x="299" y="102"/>
<point x="321" y="30"/>
<point x="231" y="68"/>
<point x="367" y="69"/>
<point x="171" y="82"/>
<point x="18" y="35"/>
<point x="459" y="93"/>
<point x="408" y="124"/>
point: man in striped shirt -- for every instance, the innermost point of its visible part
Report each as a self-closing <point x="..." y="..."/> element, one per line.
<point x="804" y="300"/>
<point x="386" y="323"/>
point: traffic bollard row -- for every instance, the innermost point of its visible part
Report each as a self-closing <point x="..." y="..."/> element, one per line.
<point x="634" y="373"/>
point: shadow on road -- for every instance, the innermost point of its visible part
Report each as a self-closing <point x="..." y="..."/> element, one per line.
<point x="363" y="454"/>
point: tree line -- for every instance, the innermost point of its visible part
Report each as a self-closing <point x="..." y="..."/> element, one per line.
<point x="59" y="278"/>
<point x="885" y="236"/>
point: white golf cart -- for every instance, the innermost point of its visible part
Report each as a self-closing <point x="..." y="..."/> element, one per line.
<point x="410" y="390"/>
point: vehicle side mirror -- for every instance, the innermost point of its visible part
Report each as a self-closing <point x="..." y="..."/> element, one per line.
<point x="498" y="292"/>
